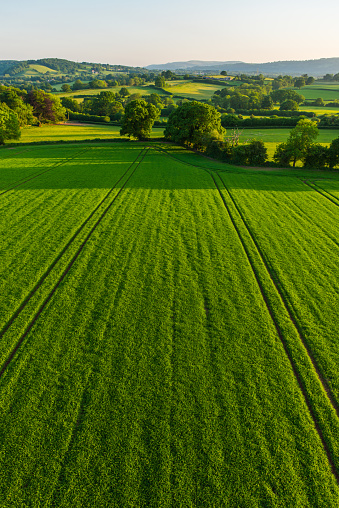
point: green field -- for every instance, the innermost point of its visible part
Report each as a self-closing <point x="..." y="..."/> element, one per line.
<point x="272" y="137"/>
<point x="189" y="89"/>
<point x="76" y="132"/>
<point x="168" y="331"/>
<point x="328" y="92"/>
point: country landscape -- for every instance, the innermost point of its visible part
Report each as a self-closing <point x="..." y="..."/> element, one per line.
<point x="169" y="290"/>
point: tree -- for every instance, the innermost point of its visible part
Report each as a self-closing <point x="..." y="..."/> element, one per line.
<point x="155" y="99"/>
<point x="289" y="105"/>
<point x="70" y="104"/>
<point x="223" y="73"/>
<point x="78" y="85"/>
<point x="9" y="124"/>
<point x="267" y="102"/>
<point x="319" y="102"/>
<point x="66" y="88"/>
<point x="310" y="80"/>
<point x="316" y="156"/>
<point x="46" y="108"/>
<point x="298" y="142"/>
<point x="160" y="82"/>
<point x="299" y="82"/>
<point x="14" y="101"/>
<point x="284" y="95"/>
<point x="124" y="92"/>
<point x="139" y="119"/>
<point x="192" y="122"/>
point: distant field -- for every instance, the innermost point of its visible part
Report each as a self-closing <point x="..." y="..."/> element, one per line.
<point x="168" y="331"/>
<point x="195" y="90"/>
<point x="326" y="92"/>
<point x="35" y="70"/>
<point x="320" y="110"/>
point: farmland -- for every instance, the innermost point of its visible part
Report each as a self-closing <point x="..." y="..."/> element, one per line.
<point x="74" y="132"/>
<point x="168" y="328"/>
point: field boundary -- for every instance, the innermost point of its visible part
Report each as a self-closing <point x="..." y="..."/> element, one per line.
<point x="7" y="362"/>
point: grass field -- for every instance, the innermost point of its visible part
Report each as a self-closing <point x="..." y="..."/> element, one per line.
<point x="324" y="90"/>
<point x="320" y="110"/>
<point x="272" y="137"/>
<point x="193" y="90"/>
<point x="168" y="328"/>
<point x="74" y="132"/>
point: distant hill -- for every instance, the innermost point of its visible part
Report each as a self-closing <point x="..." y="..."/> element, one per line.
<point x="54" y="66"/>
<point x="190" y="65"/>
<point x="318" y="67"/>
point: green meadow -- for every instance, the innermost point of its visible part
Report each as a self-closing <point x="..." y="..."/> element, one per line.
<point x="168" y="327"/>
<point x="74" y="132"/>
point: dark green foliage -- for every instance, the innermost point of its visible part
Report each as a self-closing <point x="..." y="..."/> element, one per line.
<point x="192" y="123"/>
<point x="160" y="82"/>
<point x="70" y="104"/>
<point x="333" y="156"/>
<point x="14" y="100"/>
<point x="46" y="108"/>
<point x="285" y="94"/>
<point x="251" y="154"/>
<point x="297" y="144"/>
<point x="82" y="117"/>
<point x="316" y="156"/>
<point x="289" y="105"/>
<point x="9" y="124"/>
<point x="267" y="102"/>
<point x="139" y="119"/>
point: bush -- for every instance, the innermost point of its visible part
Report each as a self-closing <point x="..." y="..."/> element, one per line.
<point x="316" y="156"/>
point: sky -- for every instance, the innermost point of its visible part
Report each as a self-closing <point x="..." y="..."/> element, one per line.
<point x="144" y="32"/>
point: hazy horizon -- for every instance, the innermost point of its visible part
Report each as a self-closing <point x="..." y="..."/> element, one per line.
<point x="143" y="34"/>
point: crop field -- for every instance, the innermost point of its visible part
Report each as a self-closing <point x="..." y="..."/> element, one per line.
<point x="168" y="331"/>
<point x="189" y="89"/>
<point x="328" y="92"/>
<point x="74" y="132"/>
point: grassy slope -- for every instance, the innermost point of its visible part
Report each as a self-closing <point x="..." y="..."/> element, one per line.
<point x="163" y="381"/>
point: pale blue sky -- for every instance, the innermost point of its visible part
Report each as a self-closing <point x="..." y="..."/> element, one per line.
<point x="151" y="32"/>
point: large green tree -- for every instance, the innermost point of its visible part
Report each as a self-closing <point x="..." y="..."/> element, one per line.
<point x="298" y="143"/>
<point x="194" y="123"/>
<point x="9" y="124"/>
<point x="13" y="98"/>
<point x="139" y="119"/>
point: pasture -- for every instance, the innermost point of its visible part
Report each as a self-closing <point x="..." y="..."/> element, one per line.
<point x="169" y="331"/>
<point x="74" y="132"/>
<point x="328" y="92"/>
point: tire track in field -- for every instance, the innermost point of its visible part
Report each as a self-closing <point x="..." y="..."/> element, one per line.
<point x="277" y="285"/>
<point x="142" y="154"/>
<point x="332" y="198"/>
<point x="310" y="219"/>
<point x="21" y="181"/>
<point x="298" y="376"/>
